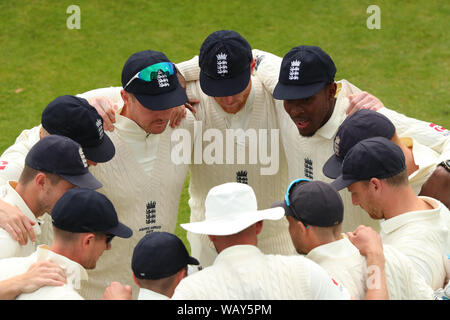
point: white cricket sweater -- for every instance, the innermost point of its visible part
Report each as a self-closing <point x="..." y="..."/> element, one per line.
<point x="8" y="246"/>
<point x="145" y="202"/>
<point x="244" y="272"/>
<point x="76" y="275"/>
<point x="423" y="237"/>
<point x="307" y="155"/>
<point x="258" y="114"/>
<point x="342" y="260"/>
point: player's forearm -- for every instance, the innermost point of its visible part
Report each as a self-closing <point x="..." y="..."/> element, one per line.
<point x="376" y="277"/>
<point x="10" y="288"/>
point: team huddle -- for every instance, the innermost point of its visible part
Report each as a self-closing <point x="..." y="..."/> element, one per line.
<point x="349" y="199"/>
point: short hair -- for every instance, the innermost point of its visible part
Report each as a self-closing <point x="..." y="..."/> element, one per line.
<point x="398" y="180"/>
<point x="323" y="233"/>
<point x="65" y="236"/>
<point x="28" y="174"/>
<point x="162" y="283"/>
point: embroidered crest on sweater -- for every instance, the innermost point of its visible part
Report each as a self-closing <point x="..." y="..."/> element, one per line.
<point x="222" y="65"/>
<point x="294" y="70"/>
<point x="241" y="177"/>
<point x="309" y="168"/>
<point x="150" y="212"/>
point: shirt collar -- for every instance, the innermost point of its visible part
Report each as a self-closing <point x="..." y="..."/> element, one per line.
<point x="74" y="271"/>
<point x="337" y="249"/>
<point x="128" y="127"/>
<point x="392" y="224"/>
<point x="13" y="197"/>
<point x="146" y="294"/>
<point x="236" y="253"/>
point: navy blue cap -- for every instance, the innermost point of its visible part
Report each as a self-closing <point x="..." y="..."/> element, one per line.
<point x="360" y="125"/>
<point x="64" y="157"/>
<point x="224" y="60"/>
<point x="304" y="71"/>
<point x="75" y="118"/>
<point x="159" y="255"/>
<point x="162" y="92"/>
<point x="82" y="210"/>
<point x="314" y="203"/>
<point x="375" y="157"/>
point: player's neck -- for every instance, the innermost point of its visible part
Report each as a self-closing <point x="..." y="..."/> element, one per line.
<point x="403" y="200"/>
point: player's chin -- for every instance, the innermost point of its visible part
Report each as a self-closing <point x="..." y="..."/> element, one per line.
<point x="157" y="128"/>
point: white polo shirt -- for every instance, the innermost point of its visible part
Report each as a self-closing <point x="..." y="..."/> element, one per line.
<point x="342" y="260"/>
<point x="8" y="246"/>
<point x="423" y="237"/>
<point x="143" y="145"/>
<point x="146" y="294"/>
<point x="75" y="273"/>
<point x="244" y="272"/>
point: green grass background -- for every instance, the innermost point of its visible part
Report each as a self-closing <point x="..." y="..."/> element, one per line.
<point x="405" y="63"/>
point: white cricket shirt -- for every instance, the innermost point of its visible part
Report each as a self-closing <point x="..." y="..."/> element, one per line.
<point x="8" y="246"/>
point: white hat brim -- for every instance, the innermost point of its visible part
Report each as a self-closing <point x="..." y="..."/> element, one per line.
<point x="233" y="223"/>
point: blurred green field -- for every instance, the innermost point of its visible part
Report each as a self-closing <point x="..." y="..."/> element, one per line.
<point x="405" y="63"/>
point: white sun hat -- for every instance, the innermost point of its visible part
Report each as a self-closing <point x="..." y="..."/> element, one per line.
<point x="229" y="209"/>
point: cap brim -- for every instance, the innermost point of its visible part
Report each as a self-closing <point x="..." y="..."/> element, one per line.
<point x="121" y="231"/>
<point x="291" y="92"/>
<point x="193" y="261"/>
<point x="163" y="101"/>
<point x="232" y="224"/>
<point x="341" y="183"/>
<point x="86" y="180"/>
<point x="333" y="167"/>
<point x="101" y="153"/>
<point x="224" y="87"/>
<point x="282" y="204"/>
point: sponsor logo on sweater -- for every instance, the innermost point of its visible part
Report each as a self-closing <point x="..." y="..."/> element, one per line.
<point x="236" y="146"/>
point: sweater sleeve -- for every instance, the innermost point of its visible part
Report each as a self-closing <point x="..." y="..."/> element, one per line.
<point x="267" y="68"/>
<point x="189" y="69"/>
<point x="112" y="93"/>
<point x="426" y="133"/>
<point x="12" y="160"/>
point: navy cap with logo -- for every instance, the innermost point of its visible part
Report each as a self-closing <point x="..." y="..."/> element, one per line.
<point x="314" y="203"/>
<point x="75" y="118"/>
<point x="82" y="210"/>
<point x="159" y="255"/>
<point x="64" y="157"/>
<point x="152" y="79"/>
<point x="375" y="157"/>
<point x="304" y="71"/>
<point x="360" y="125"/>
<point x="224" y="60"/>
